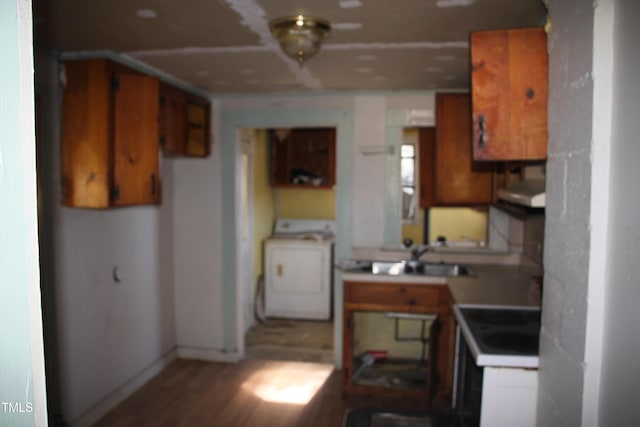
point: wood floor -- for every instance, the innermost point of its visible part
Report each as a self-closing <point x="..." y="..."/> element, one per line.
<point x="282" y="356"/>
<point x="297" y="340"/>
<point x="194" y="393"/>
<point x="251" y="393"/>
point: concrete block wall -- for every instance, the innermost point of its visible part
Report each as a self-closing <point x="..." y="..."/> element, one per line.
<point x="567" y="235"/>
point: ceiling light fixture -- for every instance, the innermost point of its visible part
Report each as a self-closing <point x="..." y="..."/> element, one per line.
<point x="300" y="36"/>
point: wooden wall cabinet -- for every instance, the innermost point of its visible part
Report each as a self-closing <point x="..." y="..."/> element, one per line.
<point x="509" y="83"/>
<point x="303" y="157"/>
<point x="184" y="123"/>
<point x="448" y="174"/>
<point x="362" y="296"/>
<point x="109" y="138"/>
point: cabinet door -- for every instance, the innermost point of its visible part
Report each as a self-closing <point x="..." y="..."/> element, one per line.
<point x="85" y="134"/>
<point x="304" y="157"/>
<point x="509" y="81"/>
<point x="197" y="143"/>
<point x="173" y="121"/>
<point x="459" y="180"/>
<point x="184" y="123"/>
<point x="135" y="141"/>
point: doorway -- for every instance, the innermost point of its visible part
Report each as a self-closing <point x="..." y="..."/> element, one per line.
<point x="261" y="205"/>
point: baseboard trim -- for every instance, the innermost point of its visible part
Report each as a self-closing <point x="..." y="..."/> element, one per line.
<point x="207" y="354"/>
<point x="124" y="391"/>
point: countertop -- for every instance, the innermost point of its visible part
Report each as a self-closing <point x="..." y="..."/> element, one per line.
<point x="496" y="285"/>
<point x="501" y="285"/>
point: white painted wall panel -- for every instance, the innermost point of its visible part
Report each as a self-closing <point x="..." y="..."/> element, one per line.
<point x="111" y="331"/>
<point x="368" y="171"/>
<point x="198" y="249"/>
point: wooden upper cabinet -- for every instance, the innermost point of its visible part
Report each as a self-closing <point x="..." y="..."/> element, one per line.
<point x="184" y="123"/>
<point x="303" y="157"/>
<point x="136" y="177"/>
<point x="509" y="81"/>
<point x="109" y="139"/>
<point x="172" y="120"/>
<point x="448" y="174"/>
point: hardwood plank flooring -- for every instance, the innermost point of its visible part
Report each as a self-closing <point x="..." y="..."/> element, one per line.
<point x="279" y="354"/>
<point x="194" y="393"/>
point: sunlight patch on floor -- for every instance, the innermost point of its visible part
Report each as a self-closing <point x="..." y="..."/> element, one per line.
<point x="288" y="382"/>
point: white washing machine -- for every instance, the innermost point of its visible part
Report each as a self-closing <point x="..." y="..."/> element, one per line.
<point x="299" y="269"/>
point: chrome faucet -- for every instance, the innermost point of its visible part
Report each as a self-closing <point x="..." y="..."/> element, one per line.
<point x="418" y="251"/>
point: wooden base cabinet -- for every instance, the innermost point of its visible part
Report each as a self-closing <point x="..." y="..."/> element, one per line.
<point x="110" y="153"/>
<point x="394" y="300"/>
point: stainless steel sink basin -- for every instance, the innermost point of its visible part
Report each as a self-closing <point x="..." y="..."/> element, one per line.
<point x="393" y="268"/>
<point x="437" y="269"/>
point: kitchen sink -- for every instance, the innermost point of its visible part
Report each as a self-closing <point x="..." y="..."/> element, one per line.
<point x="438" y="269"/>
<point x="395" y="268"/>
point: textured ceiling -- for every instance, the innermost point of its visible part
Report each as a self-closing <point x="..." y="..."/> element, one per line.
<point x="224" y="46"/>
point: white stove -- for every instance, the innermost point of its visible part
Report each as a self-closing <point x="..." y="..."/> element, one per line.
<point x="299" y="269"/>
<point x="501" y="335"/>
<point x="496" y="376"/>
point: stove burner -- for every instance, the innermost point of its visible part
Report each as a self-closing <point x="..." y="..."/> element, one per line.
<point x="504" y="331"/>
<point x="502" y="316"/>
<point x="512" y="342"/>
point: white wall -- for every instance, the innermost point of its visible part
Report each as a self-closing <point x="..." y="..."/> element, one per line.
<point x="198" y="254"/>
<point x="111" y="335"/>
<point x="621" y="365"/>
<point x="368" y="200"/>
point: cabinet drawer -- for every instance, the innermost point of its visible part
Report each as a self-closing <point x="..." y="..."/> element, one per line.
<point x="392" y="294"/>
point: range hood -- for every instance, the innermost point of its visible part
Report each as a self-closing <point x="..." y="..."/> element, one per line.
<point x="529" y="192"/>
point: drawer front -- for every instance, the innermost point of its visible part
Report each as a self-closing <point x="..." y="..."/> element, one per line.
<point x="392" y="294"/>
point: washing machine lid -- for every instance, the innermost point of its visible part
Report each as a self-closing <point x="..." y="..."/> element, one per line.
<point x="302" y="228"/>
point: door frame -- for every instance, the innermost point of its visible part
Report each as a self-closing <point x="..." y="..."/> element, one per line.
<point x="245" y="267"/>
<point x="232" y="123"/>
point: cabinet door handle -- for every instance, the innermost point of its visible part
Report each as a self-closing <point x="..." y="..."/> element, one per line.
<point x="481" y="131"/>
<point x="279" y="270"/>
<point x="153" y="184"/>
